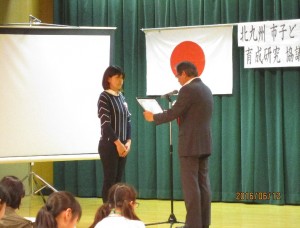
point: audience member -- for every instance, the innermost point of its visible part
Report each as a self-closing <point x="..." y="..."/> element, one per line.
<point x="118" y="211"/>
<point x="61" y="210"/>
<point x="16" y="192"/>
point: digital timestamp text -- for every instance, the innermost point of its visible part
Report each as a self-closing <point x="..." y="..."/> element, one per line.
<point x="257" y="195"/>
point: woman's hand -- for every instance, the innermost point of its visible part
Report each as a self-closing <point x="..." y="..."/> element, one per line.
<point x="128" y="145"/>
<point x="122" y="151"/>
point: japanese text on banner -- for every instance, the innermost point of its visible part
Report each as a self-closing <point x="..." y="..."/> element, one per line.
<point x="270" y="43"/>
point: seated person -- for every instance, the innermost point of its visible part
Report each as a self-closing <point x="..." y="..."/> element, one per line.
<point x="16" y="192"/>
<point x="118" y="211"/>
<point x="61" y="210"/>
<point x="3" y="200"/>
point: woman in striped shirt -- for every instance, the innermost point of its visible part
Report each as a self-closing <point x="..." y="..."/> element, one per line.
<point x="115" y="141"/>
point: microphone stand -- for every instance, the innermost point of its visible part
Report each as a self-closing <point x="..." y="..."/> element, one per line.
<point x="172" y="218"/>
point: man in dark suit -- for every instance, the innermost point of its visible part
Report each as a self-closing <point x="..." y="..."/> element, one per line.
<point x="193" y="109"/>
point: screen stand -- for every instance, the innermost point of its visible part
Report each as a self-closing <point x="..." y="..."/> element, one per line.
<point x="34" y="183"/>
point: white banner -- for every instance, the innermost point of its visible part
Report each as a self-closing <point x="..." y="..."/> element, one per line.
<point x="209" y="48"/>
<point x="270" y="43"/>
<point x="272" y="56"/>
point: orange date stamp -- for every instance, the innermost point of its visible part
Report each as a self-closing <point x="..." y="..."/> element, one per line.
<point x="257" y="196"/>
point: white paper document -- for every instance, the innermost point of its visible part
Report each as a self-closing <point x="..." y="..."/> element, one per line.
<point x="150" y="104"/>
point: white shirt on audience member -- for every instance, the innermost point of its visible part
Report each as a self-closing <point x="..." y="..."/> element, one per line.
<point x="113" y="221"/>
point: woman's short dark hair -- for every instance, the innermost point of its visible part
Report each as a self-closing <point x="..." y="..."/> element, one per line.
<point x="15" y="190"/>
<point x="109" y="72"/>
<point x="188" y="67"/>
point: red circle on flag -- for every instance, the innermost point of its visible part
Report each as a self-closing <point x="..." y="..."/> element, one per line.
<point x="188" y="51"/>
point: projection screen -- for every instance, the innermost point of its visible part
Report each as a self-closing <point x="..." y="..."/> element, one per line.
<point x="50" y="81"/>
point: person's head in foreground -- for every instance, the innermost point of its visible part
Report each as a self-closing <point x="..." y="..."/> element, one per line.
<point x="61" y="210"/>
<point x="15" y="190"/>
<point x="121" y="201"/>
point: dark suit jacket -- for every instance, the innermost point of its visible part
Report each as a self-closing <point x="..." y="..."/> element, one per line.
<point x="194" y="108"/>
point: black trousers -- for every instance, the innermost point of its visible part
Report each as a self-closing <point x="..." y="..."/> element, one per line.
<point x="113" y="166"/>
<point x="196" y="191"/>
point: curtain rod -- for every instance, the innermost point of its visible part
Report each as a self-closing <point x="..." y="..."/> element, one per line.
<point x="213" y="25"/>
<point x="189" y="27"/>
<point x="45" y="25"/>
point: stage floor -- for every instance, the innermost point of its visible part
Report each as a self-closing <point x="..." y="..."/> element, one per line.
<point x="224" y="215"/>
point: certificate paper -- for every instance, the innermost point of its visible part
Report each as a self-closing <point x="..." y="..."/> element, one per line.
<point x="150" y="104"/>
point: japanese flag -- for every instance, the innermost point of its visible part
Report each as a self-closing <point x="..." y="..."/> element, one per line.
<point x="209" y="48"/>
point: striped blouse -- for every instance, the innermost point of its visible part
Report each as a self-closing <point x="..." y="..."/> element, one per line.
<point x="114" y="117"/>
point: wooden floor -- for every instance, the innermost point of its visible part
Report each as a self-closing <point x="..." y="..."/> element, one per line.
<point x="224" y="215"/>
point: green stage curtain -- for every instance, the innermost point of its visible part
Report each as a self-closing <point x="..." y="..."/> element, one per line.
<point x="256" y="143"/>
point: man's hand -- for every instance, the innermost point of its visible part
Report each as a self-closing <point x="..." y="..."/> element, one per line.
<point x="148" y="116"/>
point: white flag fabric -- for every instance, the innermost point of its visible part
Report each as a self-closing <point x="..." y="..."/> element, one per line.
<point x="208" y="47"/>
